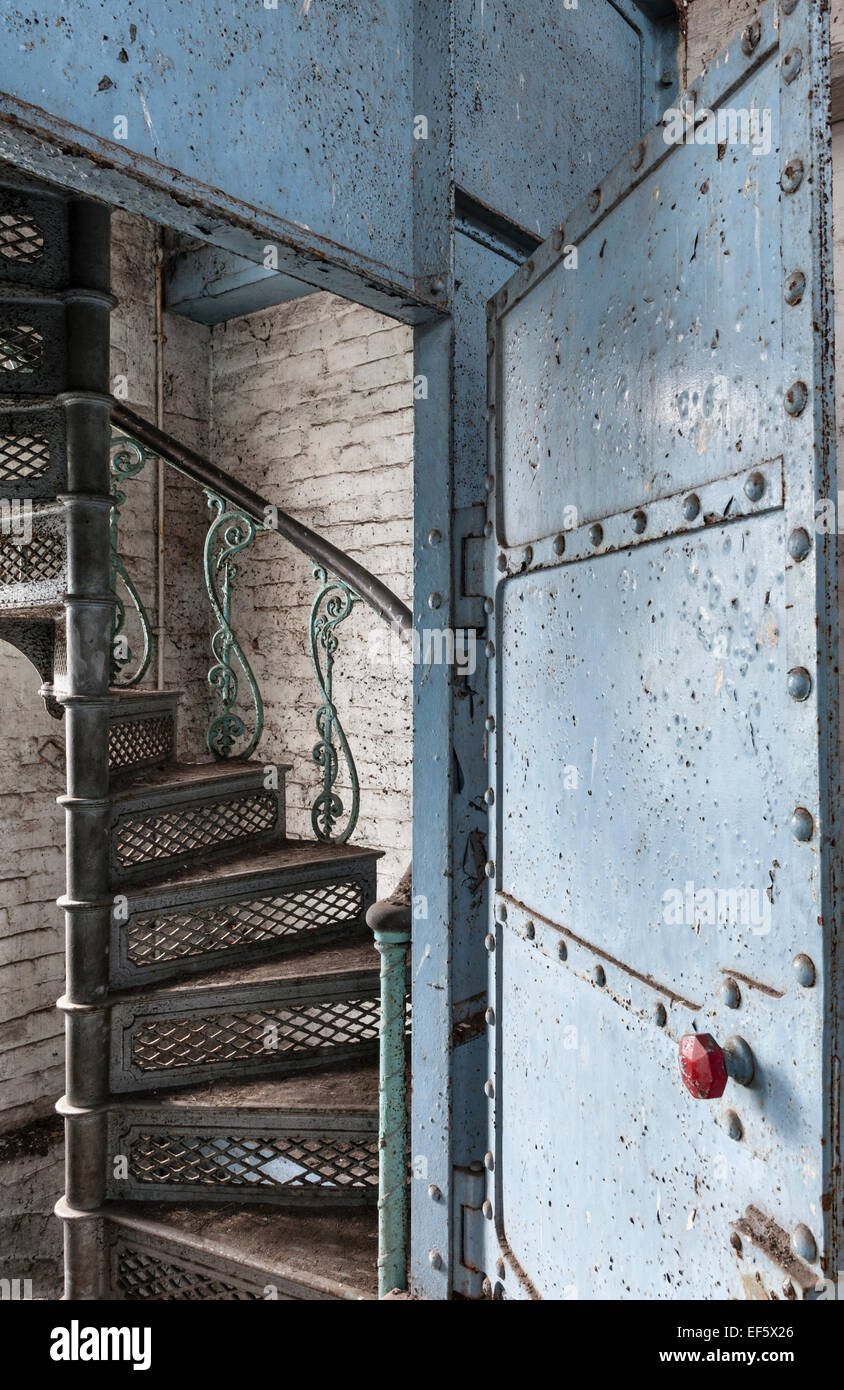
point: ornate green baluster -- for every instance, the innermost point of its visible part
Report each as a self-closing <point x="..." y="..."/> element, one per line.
<point x="230" y="533"/>
<point x="127" y="460"/>
<point x="327" y="810"/>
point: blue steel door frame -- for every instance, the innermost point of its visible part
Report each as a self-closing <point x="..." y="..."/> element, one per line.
<point x="413" y="196"/>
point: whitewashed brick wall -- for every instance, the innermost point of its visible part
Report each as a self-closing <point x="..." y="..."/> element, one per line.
<point x="312" y="406"/>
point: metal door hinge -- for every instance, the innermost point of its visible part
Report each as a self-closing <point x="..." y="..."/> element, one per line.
<point x="468" y="566"/>
<point x="469" y="1188"/>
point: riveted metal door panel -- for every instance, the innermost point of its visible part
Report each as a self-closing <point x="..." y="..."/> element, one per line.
<point x="663" y="744"/>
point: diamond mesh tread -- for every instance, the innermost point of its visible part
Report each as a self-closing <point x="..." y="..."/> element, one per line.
<point x="334" y="1090"/>
<point x="218" y="1252"/>
<point x="308" y="1163"/>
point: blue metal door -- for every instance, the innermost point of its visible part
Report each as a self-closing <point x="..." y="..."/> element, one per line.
<point x="663" y="735"/>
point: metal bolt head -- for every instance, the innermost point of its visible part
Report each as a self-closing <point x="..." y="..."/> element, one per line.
<point x="489" y="1088"/>
<point x="593" y="200"/>
<point x="730" y="994"/>
<point x="501" y="562"/>
<point x="754" y="486"/>
<point x="559" y="545"/>
<point x="489" y="1161"/>
<point x="660" y="1016"/>
<point x="638" y="521"/>
<point x="799" y="544"/>
<point x="434" y="537"/>
<point x="437" y="285"/>
<point x="500" y="1267"/>
<point x="490" y="1016"/>
<point x="691" y="506"/>
<point x="750" y="38"/>
<point x="795" y="287"/>
<point x="792" y="176"/>
<point x="489" y="723"/>
<point x="435" y="1193"/>
<point x="599" y="975"/>
<point x="741" y="1064"/>
<point x="799" y="683"/>
<point x="435" y="600"/>
<point x="501" y="912"/>
<point x="435" y="1259"/>
<point x="733" y="1125"/>
<point x="530" y="931"/>
<point x="489" y="796"/>
<point x="489" y="868"/>
<point x="487" y="1209"/>
<point x="804" y="970"/>
<point x="703" y="1069"/>
<point x="562" y="950"/>
<point x="489" y="605"/>
<point x="796" y="398"/>
<point x="596" y="533"/>
<point x="803" y="1243"/>
<point x="792" y="64"/>
<point x="489" y="650"/>
<point x="489" y="942"/>
<point x="802" y="824"/>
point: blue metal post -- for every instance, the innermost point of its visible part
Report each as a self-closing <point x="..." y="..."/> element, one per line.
<point x="390" y="923"/>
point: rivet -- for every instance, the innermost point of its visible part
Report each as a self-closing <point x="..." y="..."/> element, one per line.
<point x="730" y="994"/>
<point x="489" y="1161"/>
<point x="795" y="286"/>
<point x="799" y="543"/>
<point x="799" y="683"/>
<point x="802" y="825"/>
<point x="735" y="1242"/>
<point x="489" y="1088"/>
<point x="792" y="176"/>
<point x="435" y="1259"/>
<point x="500" y="1267"/>
<point x="489" y="796"/>
<point x="501" y="562"/>
<point x="490" y="1016"/>
<point x="691" y="506"/>
<point x="435" y="1193"/>
<point x="489" y="942"/>
<point x="734" y="1127"/>
<point x="639" y="522"/>
<point x="557" y="239"/>
<point x="596" y="533"/>
<point x="489" y="605"/>
<point x="501" y="912"/>
<point x="530" y="931"/>
<point x="804" y="970"/>
<point x="803" y="1243"/>
<point x="599" y="975"/>
<point x="437" y="286"/>
<point x="489" y="650"/>
<point x="637" y="158"/>
<point x="741" y="1064"/>
<point x="435" y="600"/>
<point x="559" y="545"/>
<point x="795" y="398"/>
<point x="791" y="64"/>
<point x="750" y="38"/>
<point x="488" y="529"/>
<point x="487" y="1209"/>
<point x="754" y="486"/>
<point x="660" y="1016"/>
<point x="489" y="868"/>
<point x="562" y="950"/>
<point x="434" y="537"/>
<point x="593" y="200"/>
<point x="528" y="554"/>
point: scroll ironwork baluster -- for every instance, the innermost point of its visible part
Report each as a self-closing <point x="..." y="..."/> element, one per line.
<point x="332" y="605"/>
<point x="230" y="533"/>
<point x="128" y="459"/>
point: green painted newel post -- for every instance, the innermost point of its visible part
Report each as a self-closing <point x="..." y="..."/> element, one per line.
<point x="390" y="921"/>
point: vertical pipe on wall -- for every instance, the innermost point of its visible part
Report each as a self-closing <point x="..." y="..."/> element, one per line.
<point x="391" y="926"/>
<point x="88" y="610"/>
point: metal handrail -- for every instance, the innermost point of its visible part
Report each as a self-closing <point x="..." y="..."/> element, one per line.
<point x="380" y="599"/>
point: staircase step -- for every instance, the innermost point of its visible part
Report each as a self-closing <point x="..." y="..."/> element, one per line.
<point x="257" y="904"/>
<point x="200" y="1252"/>
<point x="142" y="729"/>
<point x="309" y="1139"/>
<point x="33" y="563"/>
<point x="188" y="812"/>
<point x="291" y="1013"/>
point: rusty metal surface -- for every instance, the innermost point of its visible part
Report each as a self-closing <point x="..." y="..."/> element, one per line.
<point x="664" y="693"/>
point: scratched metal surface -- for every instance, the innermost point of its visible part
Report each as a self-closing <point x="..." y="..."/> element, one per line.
<point x="651" y="658"/>
<point x="304" y="110"/>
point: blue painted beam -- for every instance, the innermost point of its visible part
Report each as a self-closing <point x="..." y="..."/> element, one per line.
<point x="209" y="285"/>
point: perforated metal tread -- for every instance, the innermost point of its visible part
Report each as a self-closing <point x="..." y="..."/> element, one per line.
<point x="241" y="865"/>
<point x="200" y="1252"/>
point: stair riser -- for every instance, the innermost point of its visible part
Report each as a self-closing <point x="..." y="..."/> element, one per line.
<point x="175" y="934"/>
<point x="144" y="1267"/>
<point x="189" y="1154"/>
<point x="142" y="735"/>
<point x="243" y="1031"/>
<point x="175" y="828"/>
<point x="33" y="575"/>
